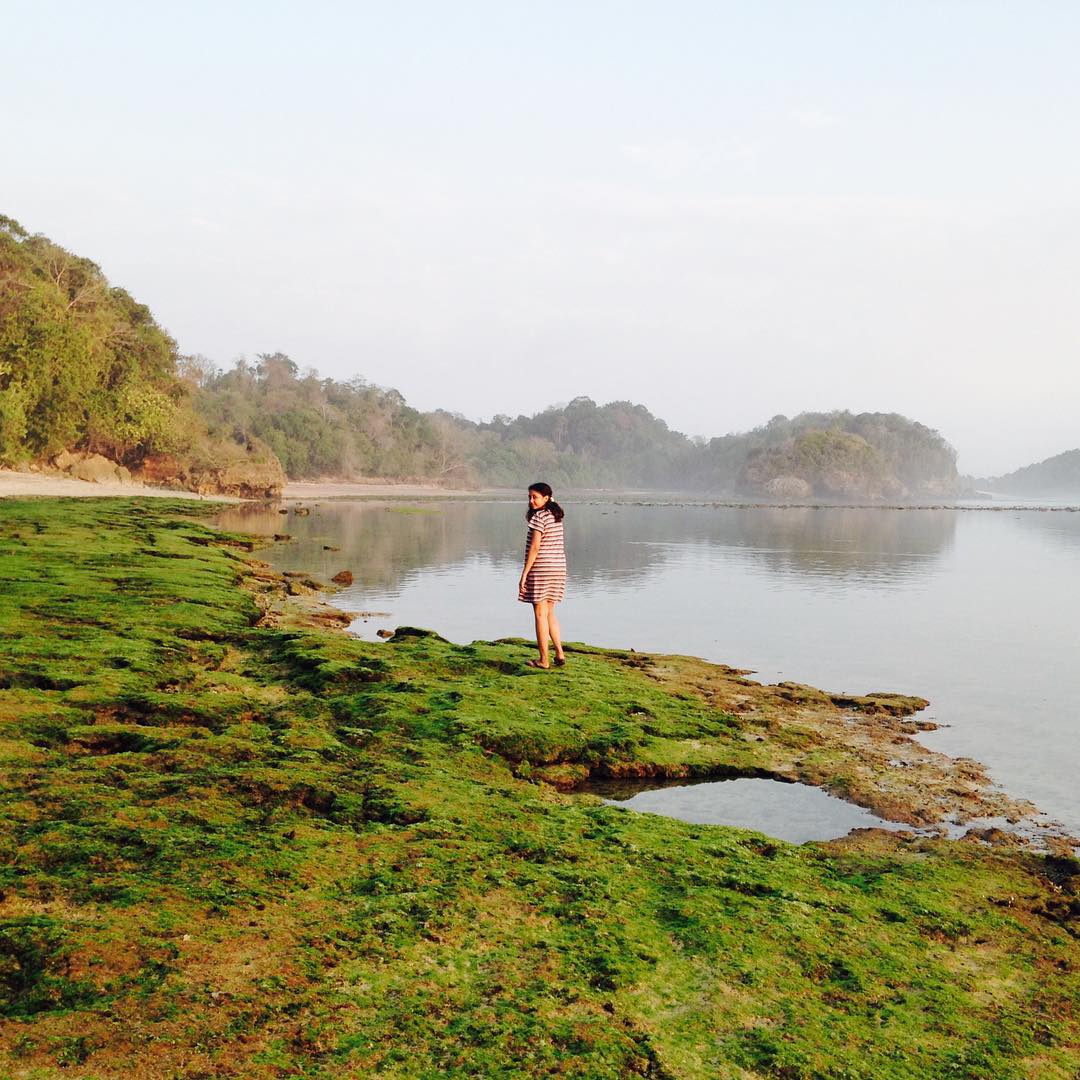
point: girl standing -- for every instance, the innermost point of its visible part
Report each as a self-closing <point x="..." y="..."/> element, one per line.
<point x="543" y="578"/>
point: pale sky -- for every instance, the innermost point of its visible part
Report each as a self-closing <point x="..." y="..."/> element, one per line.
<point x="723" y="211"/>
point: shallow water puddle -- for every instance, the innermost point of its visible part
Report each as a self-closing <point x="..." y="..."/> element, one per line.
<point x="793" y="812"/>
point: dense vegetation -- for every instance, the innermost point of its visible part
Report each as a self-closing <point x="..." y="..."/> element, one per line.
<point x="84" y="366"/>
<point x="1058" y="475"/>
<point x="81" y="362"/>
<point x="320" y="427"/>
<point x="848" y="455"/>
<point x="238" y="849"/>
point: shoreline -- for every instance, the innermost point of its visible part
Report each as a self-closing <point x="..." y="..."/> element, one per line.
<point x="296" y="490"/>
<point x="869" y="742"/>
<point x="16" y="483"/>
<point x="861" y="748"/>
<point x="22" y="483"/>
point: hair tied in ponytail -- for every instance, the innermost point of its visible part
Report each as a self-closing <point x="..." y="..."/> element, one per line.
<point x="552" y="505"/>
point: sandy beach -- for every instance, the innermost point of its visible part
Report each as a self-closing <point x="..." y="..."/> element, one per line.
<point x="340" y="489"/>
<point x="15" y="483"/>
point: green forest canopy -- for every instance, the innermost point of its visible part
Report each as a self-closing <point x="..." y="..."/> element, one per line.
<point x="81" y="362"/>
<point x="321" y="427"/>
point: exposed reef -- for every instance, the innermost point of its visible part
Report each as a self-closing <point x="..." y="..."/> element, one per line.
<point x="241" y="843"/>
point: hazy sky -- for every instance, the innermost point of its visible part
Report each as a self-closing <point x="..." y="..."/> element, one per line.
<point x="723" y="211"/>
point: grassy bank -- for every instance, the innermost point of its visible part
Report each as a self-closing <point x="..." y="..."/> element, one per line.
<point x="236" y="844"/>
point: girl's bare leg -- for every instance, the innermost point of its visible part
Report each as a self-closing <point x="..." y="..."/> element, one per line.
<point x="541" y="612"/>
<point x="556" y="632"/>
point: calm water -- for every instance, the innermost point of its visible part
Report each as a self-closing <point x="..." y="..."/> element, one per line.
<point x="793" y="812"/>
<point x="975" y="610"/>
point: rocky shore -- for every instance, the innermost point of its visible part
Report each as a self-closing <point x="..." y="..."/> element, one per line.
<point x="242" y="843"/>
<point x="861" y="748"/>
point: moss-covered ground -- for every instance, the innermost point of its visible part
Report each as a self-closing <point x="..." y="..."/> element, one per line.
<point x="235" y="846"/>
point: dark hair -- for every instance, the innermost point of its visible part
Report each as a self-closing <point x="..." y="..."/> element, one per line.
<point x="552" y="505"/>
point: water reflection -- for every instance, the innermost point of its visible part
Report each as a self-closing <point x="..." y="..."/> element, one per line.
<point x="1060" y="526"/>
<point x="820" y="542"/>
<point x="797" y="813"/>
<point x="382" y="543"/>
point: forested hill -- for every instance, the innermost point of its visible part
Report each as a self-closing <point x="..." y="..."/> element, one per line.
<point x="324" y="428"/>
<point x="81" y="362"/>
<point x="85" y="368"/>
<point x="321" y="427"/>
<point x="837" y="455"/>
<point x="1058" y="475"/>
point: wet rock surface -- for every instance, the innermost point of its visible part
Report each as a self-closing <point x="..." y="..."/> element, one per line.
<point x="241" y="840"/>
<point x="857" y="747"/>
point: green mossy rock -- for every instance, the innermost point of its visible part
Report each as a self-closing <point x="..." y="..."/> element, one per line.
<point x="239" y="848"/>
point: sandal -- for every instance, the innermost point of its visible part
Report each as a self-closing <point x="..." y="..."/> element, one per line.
<point x="537" y="664"/>
<point x="560" y="661"/>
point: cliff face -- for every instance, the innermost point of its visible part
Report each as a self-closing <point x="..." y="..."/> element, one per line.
<point x="247" y="470"/>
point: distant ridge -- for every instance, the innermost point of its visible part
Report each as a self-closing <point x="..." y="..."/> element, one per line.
<point x="322" y="428"/>
<point x="1057" y="475"/>
<point x="91" y="384"/>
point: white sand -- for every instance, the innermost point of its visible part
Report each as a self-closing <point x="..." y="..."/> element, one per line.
<point x="15" y="483"/>
<point x="328" y="489"/>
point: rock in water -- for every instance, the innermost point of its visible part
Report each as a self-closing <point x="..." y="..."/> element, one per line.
<point x="343" y="577"/>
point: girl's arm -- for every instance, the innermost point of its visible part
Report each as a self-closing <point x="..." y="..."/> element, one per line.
<point x="530" y="558"/>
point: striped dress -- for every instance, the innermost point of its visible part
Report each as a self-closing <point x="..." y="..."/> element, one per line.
<point x="547" y="578"/>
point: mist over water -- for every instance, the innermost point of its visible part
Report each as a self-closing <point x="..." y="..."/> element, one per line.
<point x="973" y="610"/>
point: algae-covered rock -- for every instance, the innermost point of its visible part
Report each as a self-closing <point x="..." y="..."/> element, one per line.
<point x="415" y="633"/>
<point x="237" y="841"/>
